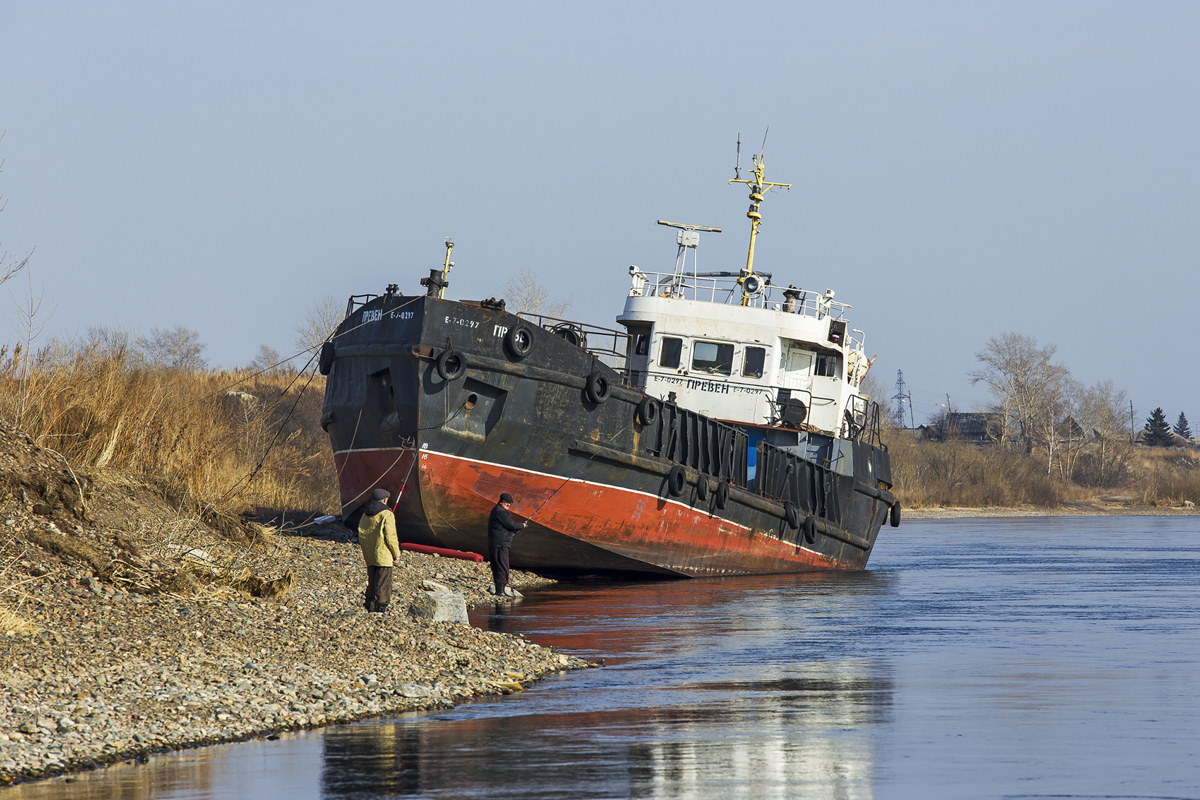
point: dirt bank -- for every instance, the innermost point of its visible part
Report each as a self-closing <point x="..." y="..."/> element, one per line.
<point x="135" y="625"/>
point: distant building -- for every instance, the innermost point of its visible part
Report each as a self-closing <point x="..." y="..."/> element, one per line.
<point x="977" y="428"/>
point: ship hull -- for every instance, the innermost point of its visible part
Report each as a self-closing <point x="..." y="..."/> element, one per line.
<point x="604" y="489"/>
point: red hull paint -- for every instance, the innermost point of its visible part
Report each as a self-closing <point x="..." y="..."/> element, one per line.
<point x="580" y="526"/>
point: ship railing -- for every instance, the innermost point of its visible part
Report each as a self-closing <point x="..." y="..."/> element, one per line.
<point x="779" y="406"/>
<point x="722" y="287"/>
<point x="857" y="340"/>
<point x="815" y="489"/>
<point x="357" y="301"/>
<point x="610" y="347"/>
<point x="693" y="440"/>
<point x="862" y="421"/>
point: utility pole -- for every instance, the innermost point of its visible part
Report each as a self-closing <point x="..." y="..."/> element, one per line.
<point x="902" y="396"/>
<point x="1131" y="422"/>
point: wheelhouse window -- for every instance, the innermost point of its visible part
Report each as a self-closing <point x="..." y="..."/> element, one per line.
<point x="713" y="358"/>
<point x="670" y="352"/>
<point x="756" y="358"/>
<point x="826" y="366"/>
<point x="642" y="344"/>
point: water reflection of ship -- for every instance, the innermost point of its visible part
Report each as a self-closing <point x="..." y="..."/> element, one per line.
<point x="712" y="690"/>
<point x="798" y="734"/>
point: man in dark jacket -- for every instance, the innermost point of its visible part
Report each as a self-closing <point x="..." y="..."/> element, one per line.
<point x="501" y="530"/>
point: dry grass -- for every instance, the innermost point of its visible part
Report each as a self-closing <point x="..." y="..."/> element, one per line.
<point x="12" y="595"/>
<point x="1165" y="476"/>
<point x="958" y="474"/>
<point x="222" y="440"/>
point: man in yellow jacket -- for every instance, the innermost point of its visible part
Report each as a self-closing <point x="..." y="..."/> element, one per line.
<point x="380" y="547"/>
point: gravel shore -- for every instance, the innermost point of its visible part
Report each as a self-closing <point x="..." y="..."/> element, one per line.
<point x="1081" y="509"/>
<point x="112" y="675"/>
<point x="132" y="621"/>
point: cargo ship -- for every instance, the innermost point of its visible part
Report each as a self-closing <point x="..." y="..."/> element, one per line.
<point x="719" y="430"/>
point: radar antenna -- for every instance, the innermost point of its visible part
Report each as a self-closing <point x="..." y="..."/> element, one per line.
<point x="688" y="238"/>
<point x="737" y="167"/>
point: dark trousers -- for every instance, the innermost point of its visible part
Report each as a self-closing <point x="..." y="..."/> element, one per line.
<point x="499" y="558"/>
<point x="379" y="587"/>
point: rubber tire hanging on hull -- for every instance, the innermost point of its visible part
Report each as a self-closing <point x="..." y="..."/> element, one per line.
<point x="597" y="389"/>
<point x="810" y="529"/>
<point x="647" y="411"/>
<point x="722" y="494"/>
<point x="450" y="365"/>
<point x="519" y="341"/>
<point x="703" y="489"/>
<point x="676" y="481"/>
<point x="791" y="514"/>
<point x="325" y="362"/>
<point x="894" y="520"/>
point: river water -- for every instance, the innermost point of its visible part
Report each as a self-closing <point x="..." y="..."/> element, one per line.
<point x="1029" y="658"/>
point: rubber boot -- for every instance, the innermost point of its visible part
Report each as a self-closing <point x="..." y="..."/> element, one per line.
<point x="370" y="605"/>
<point x="380" y="608"/>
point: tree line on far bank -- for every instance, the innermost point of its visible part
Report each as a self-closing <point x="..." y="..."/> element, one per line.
<point x="1052" y="439"/>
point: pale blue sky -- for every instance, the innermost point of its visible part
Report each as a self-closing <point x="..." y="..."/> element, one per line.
<point x="960" y="169"/>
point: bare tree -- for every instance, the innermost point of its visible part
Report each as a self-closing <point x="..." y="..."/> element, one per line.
<point x="267" y="361"/>
<point x="1031" y="390"/>
<point x="29" y="324"/>
<point x="118" y="342"/>
<point x="1103" y="413"/>
<point x="524" y="293"/>
<point x="10" y="265"/>
<point x="874" y="390"/>
<point x="174" y="348"/>
<point x="320" y="321"/>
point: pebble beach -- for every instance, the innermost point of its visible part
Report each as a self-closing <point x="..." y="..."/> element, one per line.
<point x="111" y="675"/>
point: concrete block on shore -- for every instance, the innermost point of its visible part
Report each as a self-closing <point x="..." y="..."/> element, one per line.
<point x="438" y="603"/>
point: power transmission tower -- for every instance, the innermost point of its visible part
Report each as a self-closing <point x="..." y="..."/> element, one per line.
<point x="901" y="397"/>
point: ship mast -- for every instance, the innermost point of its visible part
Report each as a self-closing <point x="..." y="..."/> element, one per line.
<point x="447" y="265"/>
<point x="435" y="285"/>
<point x="757" y="190"/>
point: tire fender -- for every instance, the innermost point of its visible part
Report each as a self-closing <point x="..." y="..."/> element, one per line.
<point x="791" y="514"/>
<point x="703" y="488"/>
<point x="647" y="411"/>
<point x="519" y="340"/>
<point x="450" y="365"/>
<point x="894" y="519"/>
<point x="325" y="363"/>
<point x="810" y="529"/>
<point x="722" y="494"/>
<point x="598" y="388"/>
<point x="676" y="481"/>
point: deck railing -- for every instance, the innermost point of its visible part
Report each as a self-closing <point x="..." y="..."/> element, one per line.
<point x="722" y="287"/>
<point x="610" y="347"/>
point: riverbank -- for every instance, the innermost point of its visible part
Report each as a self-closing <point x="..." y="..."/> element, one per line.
<point x="134" y="621"/>
<point x="1080" y="509"/>
<point x="110" y="675"/>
